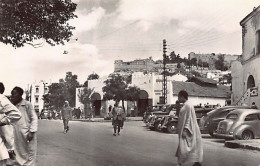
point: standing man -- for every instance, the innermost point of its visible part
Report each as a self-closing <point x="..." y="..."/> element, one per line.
<point x="9" y="114"/>
<point x="25" y="129"/>
<point x="66" y="116"/>
<point x="117" y="113"/>
<point x="190" y="146"/>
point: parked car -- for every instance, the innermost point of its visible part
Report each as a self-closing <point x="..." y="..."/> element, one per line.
<point x="147" y="115"/>
<point x="169" y="123"/>
<point x="240" y="124"/>
<point x="45" y="114"/>
<point x="156" y="117"/>
<point x="209" y="122"/>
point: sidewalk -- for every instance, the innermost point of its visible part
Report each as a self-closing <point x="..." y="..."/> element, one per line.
<point x="253" y="144"/>
<point x="103" y="120"/>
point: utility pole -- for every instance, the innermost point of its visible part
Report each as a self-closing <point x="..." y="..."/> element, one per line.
<point x="164" y="80"/>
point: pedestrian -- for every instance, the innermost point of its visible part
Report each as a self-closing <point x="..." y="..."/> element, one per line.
<point x="253" y="106"/>
<point x="9" y="114"/>
<point x="25" y="138"/>
<point x="190" y="145"/>
<point x="78" y="113"/>
<point x="117" y="118"/>
<point x="66" y="116"/>
<point x="123" y="118"/>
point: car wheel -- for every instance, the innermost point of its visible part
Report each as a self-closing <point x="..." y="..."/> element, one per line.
<point x="172" y="128"/>
<point x="156" y="126"/>
<point x="246" y="135"/>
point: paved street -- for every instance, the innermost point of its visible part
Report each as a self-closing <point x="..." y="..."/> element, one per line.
<point x="92" y="144"/>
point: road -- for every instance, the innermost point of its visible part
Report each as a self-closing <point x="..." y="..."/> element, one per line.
<point x="93" y="144"/>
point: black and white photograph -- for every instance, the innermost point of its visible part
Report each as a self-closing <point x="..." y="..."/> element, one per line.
<point x="129" y="82"/>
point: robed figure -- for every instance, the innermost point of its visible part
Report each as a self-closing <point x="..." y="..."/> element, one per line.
<point x="190" y="146"/>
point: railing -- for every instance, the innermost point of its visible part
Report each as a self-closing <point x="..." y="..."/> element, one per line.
<point x="245" y="98"/>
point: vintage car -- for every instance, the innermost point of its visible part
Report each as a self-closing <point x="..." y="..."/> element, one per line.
<point x="154" y="110"/>
<point x="240" y="124"/>
<point x="156" y="117"/>
<point x="209" y="122"/>
<point x="169" y="123"/>
<point x="45" y="114"/>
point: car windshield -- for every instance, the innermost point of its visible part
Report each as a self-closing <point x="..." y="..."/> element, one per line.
<point x="232" y="116"/>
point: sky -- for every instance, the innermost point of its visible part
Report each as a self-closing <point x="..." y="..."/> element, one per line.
<point x="109" y="30"/>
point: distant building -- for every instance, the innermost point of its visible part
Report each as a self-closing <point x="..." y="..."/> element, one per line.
<point x="143" y="65"/>
<point x="245" y="71"/>
<point x="37" y="90"/>
<point x="212" y="58"/>
<point x="202" y="91"/>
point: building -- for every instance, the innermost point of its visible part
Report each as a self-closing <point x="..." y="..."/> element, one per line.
<point x="151" y="90"/>
<point x="143" y="65"/>
<point x="37" y="90"/>
<point x="245" y="71"/>
<point x="212" y="58"/>
<point x="202" y="91"/>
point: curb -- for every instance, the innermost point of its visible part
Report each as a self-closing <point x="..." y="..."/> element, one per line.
<point x="236" y="144"/>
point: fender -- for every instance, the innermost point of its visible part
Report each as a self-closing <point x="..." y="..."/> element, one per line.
<point x="239" y="130"/>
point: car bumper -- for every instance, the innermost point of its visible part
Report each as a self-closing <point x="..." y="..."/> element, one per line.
<point x="225" y="136"/>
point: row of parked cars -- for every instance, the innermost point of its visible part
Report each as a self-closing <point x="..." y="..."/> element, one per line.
<point x="229" y="122"/>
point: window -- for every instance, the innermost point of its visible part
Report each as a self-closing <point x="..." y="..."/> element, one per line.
<point x="37" y="90"/>
<point x="258" y="42"/>
<point x="251" y="117"/>
<point x="37" y="99"/>
<point x="232" y="116"/>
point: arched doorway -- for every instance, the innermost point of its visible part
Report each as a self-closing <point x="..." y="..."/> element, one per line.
<point x="250" y="82"/>
<point x="96" y="103"/>
<point x="143" y="102"/>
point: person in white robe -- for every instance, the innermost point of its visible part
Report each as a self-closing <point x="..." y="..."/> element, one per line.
<point x="25" y="129"/>
<point x="190" y="147"/>
<point x="9" y="114"/>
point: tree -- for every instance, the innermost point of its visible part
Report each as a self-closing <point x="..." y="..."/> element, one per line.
<point x="93" y="76"/>
<point x="193" y="61"/>
<point x="219" y="64"/>
<point x="132" y="93"/>
<point x="64" y="90"/>
<point x="26" y="21"/>
<point x="84" y="98"/>
<point x="71" y="84"/>
<point x="56" y="95"/>
<point x="116" y="88"/>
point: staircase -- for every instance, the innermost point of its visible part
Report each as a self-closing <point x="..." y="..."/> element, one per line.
<point x="245" y="99"/>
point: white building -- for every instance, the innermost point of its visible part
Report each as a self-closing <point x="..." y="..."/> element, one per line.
<point x="37" y="90"/>
<point x="245" y="71"/>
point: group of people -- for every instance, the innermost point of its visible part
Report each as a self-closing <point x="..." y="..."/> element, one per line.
<point x="19" y="124"/>
<point x="18" y="127"/>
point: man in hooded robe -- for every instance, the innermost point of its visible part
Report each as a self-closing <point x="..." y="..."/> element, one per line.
<point x="190" y="146"/>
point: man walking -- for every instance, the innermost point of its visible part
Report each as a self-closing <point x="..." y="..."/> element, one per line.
<point x="190" y="146"/>
<point x="66" y="116"/>
<point x="9" y="114"/>
<point x="25" y="129"/>
<point x="117" y="113"/>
